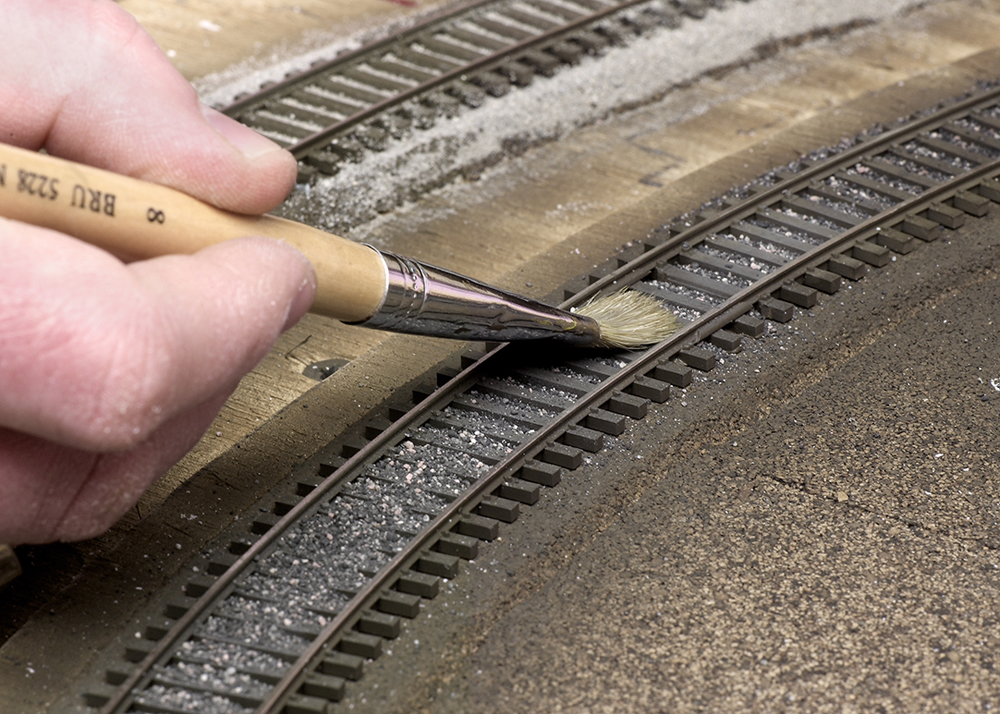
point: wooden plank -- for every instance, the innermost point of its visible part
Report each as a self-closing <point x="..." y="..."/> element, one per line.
<point x="206" y="36"/>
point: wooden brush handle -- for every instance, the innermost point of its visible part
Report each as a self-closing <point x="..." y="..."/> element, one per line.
<point x="134" y="219"/>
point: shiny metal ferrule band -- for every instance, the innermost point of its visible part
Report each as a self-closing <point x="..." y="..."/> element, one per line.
<point x="425" y="300"/>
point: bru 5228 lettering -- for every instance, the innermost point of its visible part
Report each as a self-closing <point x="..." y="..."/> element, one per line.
<point x="47" y="188"/>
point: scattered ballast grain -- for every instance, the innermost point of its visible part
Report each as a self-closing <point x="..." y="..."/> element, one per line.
<point x="304" y="587"/>
<point x="978" y="127"/>
<point x="889" y="180"/>
<point x="469" y="440"/>
<point x="779" y="252"/>
<point x="424" y="465"/>
<point x="616" y="364"/>
<point x="210" y="676"/>
<point x="315" y="108"/>
<point x="311" y="556"/>
<point x="159" y="697"/>
<point x="973" y="147"/>
<point x="737" y="258"/>
<point x="556" y="396"/>
<point x="686" y="315"/>
<point x="525" y="397"/>
<point x="918" y="149"/>
<point x="225" y="654"/>
<point x="780" y="230"/>
<point x="255" y="634"/>
<point x="816" y="220"/>
<point x="492" y="424"/>
<point x="307" y="125"/>
<point x="855" y="208"/>
<point x="914" y="168"/>
<point x="577" y="375"/>
<point x="853" y="192"/>
<point x="358" y="546"/>
<point x="513" y="408"/>
<point x="282" y="614"/>
<point x="690" y="293"/>
<point x="721" y="277"/>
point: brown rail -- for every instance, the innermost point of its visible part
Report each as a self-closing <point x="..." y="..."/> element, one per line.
<point x="691" y="334"/>
<point x="696" y="331"/>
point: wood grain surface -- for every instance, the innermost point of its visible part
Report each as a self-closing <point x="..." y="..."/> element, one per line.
<point x="205" y="36"/>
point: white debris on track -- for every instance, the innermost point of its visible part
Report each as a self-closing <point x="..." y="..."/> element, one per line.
<point x="623" y="77"/>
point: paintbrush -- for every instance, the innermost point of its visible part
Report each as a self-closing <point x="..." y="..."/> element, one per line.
<point x="356" y="283"/>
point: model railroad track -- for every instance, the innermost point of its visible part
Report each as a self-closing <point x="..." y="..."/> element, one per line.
<point x="338" y="110"/>
<point x="287" y="613"/>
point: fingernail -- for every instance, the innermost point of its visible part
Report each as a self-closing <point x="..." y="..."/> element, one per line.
<point x="250" y="143"/>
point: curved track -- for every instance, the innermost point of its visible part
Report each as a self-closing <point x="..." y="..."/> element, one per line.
<point x="407" y="502"/>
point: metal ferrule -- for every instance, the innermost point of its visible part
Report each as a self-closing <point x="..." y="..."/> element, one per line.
<point x="423" y="300"/>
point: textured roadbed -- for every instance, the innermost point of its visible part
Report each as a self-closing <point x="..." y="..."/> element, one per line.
<point x="820" y="535"/>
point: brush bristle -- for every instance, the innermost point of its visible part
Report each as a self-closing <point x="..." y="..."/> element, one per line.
<point x="630" y="319"/>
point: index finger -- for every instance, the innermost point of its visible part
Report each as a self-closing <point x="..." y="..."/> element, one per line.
<point x="107" y="96"/>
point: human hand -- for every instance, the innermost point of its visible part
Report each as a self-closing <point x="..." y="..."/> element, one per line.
<point x="109" y="373"/>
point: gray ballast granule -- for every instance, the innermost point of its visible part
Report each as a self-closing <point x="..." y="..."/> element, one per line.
<point x="187" y="701"/>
